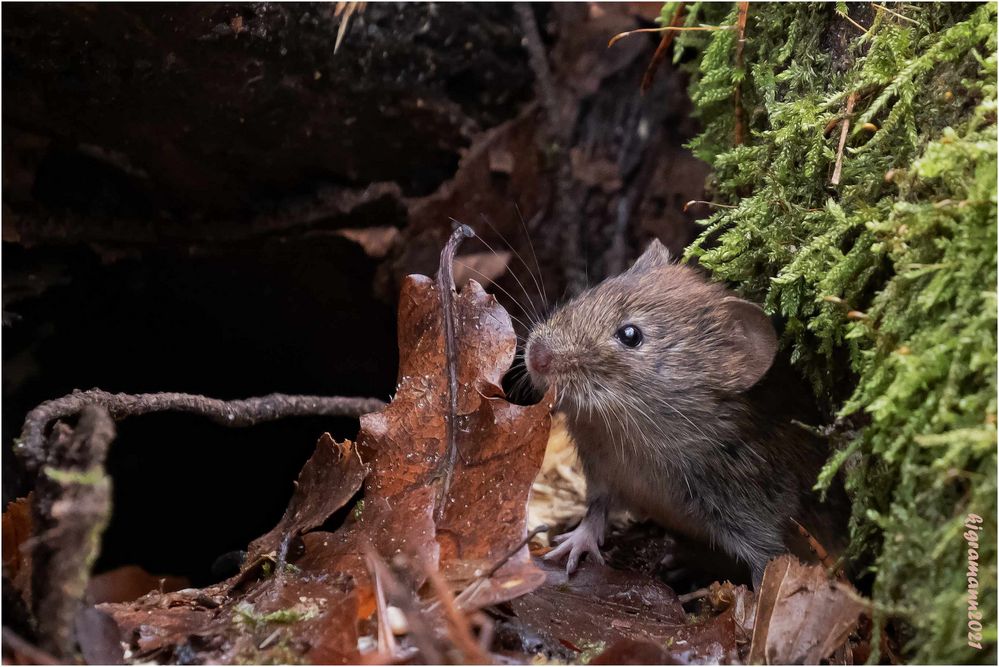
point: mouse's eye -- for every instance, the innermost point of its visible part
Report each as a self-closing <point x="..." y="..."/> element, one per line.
<point x="630" y="335"/>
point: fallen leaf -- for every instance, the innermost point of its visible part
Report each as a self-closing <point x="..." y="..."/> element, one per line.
<point x="802" y="616"/>
<point x="17" y="528"/>
<point x="327" y="481"/>
<point x="601" y="607"/>
<point x="448" y="452"/>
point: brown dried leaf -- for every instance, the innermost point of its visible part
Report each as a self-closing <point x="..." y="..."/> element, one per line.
<point x="328" y="480"/>
<point x="17" y="527"/>
<point x="500" y="445"/>
<point x="410" y="516"/>
<point x="802" y="616"/>
<point x="623" y="611"/>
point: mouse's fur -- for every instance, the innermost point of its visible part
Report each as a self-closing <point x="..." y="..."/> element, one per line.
<point x="679" y="427"/>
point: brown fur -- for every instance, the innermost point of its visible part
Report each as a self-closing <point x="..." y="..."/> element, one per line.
<point x="682" y="428"/>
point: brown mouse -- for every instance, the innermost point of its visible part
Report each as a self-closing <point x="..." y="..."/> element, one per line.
<point x="660" y="374"/>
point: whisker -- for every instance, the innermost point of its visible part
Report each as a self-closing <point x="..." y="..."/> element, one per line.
<point x="539" y="281"/>
<point x="513" y="273"/>
<point x="500" y="287"/>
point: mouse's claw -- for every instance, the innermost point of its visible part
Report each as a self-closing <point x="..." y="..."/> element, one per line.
<point x="576" y="544"/>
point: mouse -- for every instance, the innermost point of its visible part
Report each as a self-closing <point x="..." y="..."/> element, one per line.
<point x="666" y="382"/>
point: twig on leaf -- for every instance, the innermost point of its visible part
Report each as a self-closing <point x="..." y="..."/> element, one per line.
<point x="473" y="587"/>
<point x="398" y="595"/>
<point x="446" y="288"/>
<point x="238" y="413"/>
<point x="661" y="50"/>
<point x="844" y="130"/>
<point x="386" y="639"/>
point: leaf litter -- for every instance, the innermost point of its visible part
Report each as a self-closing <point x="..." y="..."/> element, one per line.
<point x="432" y="564"/>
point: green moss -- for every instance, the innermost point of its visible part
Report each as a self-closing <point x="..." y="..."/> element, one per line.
<point x="884" y="282"/>
<point x="248" y="619"/>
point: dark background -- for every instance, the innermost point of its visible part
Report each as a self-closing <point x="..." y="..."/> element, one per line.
<point x="177" y="179"/>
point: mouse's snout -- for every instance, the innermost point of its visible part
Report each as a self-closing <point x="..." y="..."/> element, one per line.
<point x="539" y="357"/>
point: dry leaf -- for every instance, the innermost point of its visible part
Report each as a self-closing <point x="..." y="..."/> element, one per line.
<point x="801" y="615"/>
<point x="17" y="528"/>
<point x="328" y="480"/>
<point x="430" y="478"/>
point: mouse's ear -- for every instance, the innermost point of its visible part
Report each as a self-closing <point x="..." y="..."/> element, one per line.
<point x="655" y="256"/>
<point x="753" y="343"/>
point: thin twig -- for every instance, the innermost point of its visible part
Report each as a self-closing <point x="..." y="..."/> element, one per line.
<point x="473" y="587"/>
<point x="895" y="14"/>
<point x="844" y="130"/>
<point x="668" y="28"/>
<point x="402" y="597"/>
<point x="854" y="23"/>
<point x="20" y="646"/>
<point x="386" y="639"/>
<point x="740" y="44"/>
<point x="694" y="595"/>
<point x="446" y="288"/>
<point x="662" y="49"/>
<point x="692" y="202"/>
<point x="558" y="128"/>
<point x="458" y="624"/>
<point x="238" y="413"/>
<point x="815" y="546"/>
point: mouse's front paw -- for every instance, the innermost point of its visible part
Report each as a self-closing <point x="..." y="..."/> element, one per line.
<point x="576" y="544"/>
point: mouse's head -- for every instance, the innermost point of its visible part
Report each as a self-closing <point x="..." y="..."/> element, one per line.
<point x="658" y="330"/>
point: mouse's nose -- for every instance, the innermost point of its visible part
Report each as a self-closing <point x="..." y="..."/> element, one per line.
<point x="539" y="357"/>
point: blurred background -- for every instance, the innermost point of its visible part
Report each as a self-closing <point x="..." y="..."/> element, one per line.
<point x="219" y="199"/>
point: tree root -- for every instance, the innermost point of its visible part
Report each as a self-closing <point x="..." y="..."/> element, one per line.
<point x="237" y="413"/>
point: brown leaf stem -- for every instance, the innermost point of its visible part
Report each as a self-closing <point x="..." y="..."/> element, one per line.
<point x="447" y="290"/>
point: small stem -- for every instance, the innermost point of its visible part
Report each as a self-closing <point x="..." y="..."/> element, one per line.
<point x="844" y="130"/>
<point x="446" y="288"/>
<point x="662" y="49"/>
<point x="668" y="28"/>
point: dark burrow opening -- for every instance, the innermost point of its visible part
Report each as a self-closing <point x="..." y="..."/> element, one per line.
<point x="242" y="320"/>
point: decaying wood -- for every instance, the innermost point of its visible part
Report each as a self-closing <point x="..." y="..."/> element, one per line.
<point x="71" y="509"/>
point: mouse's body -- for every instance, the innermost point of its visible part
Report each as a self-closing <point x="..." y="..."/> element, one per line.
<point x="658" y="372"/>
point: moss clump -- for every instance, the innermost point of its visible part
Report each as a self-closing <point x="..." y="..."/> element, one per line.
<point x="885" y="281"/>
